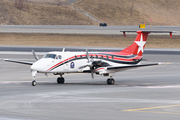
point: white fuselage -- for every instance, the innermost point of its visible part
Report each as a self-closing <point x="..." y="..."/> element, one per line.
<point x="66" y="62"/>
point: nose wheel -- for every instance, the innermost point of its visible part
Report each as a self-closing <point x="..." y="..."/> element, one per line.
<point x="110" y="81"/>
<point x="60" y="80"/>
<point x="34" y="83"/>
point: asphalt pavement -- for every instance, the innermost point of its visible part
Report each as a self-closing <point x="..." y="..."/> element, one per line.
<point x="144" y="93"/>
<point x="81" y="29"/>
<point x="147" y="93"/>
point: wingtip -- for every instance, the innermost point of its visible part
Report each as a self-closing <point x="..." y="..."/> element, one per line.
<point x="159" y="63"/>
<point x="164" y="63"/>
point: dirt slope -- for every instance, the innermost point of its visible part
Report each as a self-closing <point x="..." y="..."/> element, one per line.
<point x="37" y="14"/>
<point x="133" y="12"/>
<point x="114" y="12"/>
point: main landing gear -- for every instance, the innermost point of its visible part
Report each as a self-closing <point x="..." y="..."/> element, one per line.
<point x="110" y="81"/>
<point x="60" y="80"/>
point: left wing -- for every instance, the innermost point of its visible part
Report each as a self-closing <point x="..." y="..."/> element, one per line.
<point x="21" y="62"/>
<point x="119" y="68"/>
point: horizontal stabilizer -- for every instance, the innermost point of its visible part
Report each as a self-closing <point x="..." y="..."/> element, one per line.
<point x="147" y="31"/>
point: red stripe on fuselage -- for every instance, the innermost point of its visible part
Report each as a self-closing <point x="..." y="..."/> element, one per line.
<point x="104" y="56"/>
<point x="60" y="63"/>
<point x="121" y="59"/>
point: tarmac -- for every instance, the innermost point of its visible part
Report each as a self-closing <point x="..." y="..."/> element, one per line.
<point x="147" y="93"/>
<point x="82" y="29"/>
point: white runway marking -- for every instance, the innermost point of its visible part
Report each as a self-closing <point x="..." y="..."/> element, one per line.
<point x="172" y="86"/>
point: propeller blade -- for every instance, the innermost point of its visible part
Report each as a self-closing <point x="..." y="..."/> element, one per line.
<point x="46" y="74"/>
<point x="35" y="56"/>
<point x="87" y="55"/>
<point x="92" y="75"/>
<point x="92" y="72"/>
<point x="90" y="64"/>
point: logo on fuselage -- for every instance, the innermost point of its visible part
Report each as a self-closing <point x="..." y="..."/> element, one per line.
<point x="72" y="65"/>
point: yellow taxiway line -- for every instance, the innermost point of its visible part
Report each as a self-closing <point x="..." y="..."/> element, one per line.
<point x="150" y="108"/>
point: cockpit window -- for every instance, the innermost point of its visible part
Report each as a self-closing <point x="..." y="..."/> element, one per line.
<point x="50" y="56"/>
<point x="54" y="56"/>
<point x="59" y="56"/>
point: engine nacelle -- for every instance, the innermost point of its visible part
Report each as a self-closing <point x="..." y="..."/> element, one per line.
<point x="105" y="74"/>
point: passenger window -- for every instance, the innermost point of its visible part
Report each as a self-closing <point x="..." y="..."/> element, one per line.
<point x="97" y="56"/>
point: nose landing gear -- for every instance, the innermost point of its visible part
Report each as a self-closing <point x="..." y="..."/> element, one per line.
<point x="33" y="75"/>
<point x="34" y="83"/>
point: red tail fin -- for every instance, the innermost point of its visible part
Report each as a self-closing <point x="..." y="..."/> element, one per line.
<point x="138" y="46"/>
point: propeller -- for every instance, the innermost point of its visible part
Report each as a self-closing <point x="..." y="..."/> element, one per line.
<point x="35" y="56"/>
<point x="93" y="64"/>
<point x="89" y="64"/>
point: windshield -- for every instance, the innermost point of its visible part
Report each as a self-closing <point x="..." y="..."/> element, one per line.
<point x="54" y="56"/>
<point x="50" y="56"/>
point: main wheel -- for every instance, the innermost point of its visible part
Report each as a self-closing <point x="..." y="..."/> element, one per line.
<point x="34" y="83"/>
<point x="60" y="80"/>
<point x="110" y="81"/>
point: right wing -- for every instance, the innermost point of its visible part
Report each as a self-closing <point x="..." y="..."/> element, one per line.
<point x="20" y="62"/>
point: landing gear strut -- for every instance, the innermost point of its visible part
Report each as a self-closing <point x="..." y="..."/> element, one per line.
<point x="110" y="81"/>
<point x="33" y="75"/>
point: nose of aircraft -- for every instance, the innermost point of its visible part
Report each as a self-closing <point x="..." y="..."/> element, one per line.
<point x="42" y="65"/>
<point x="34" y="66"/>
<point x="38" y="66"/>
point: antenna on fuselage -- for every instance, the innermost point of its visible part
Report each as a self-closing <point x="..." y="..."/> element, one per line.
<point x="63" y="49"/>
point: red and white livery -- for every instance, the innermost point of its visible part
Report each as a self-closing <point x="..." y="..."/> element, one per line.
<point x="100" y="63"/>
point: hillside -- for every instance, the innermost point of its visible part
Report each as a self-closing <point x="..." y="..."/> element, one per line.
<point x="39" y="14"/>
<point x="133" y="12"/>
<point x="114" y="12"/>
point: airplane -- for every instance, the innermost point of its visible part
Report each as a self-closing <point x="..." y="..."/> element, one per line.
<point x="100" y="63"/>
